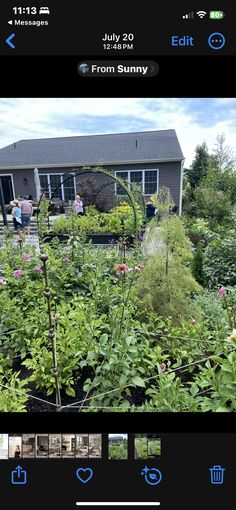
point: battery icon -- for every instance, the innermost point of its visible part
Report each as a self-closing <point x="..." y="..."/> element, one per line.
<point x="217" y="15"/>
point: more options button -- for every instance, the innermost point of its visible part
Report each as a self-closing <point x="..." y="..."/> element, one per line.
<point x="216" y="41"/>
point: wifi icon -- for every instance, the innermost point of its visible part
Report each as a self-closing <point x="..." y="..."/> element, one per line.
<point x="201" y="14"/>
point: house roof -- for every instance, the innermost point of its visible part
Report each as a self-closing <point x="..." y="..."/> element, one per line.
<point x="93" y="149"/>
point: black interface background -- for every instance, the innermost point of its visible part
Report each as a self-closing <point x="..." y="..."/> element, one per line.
<point x="182" y="76"/>
<point x="80" y="27"/>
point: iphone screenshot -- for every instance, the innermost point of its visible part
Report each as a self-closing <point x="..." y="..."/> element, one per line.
<point x="117" y="255"/>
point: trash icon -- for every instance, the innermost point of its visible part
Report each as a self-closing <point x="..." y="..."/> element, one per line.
<point x="217" y="475"/>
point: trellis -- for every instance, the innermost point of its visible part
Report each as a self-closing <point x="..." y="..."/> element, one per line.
<point x="93" y="170"/>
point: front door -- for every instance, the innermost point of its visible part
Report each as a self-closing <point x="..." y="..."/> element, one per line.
<point x="7" y="188"/>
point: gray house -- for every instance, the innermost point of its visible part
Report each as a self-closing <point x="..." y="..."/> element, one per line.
<point x="150" y="158"/>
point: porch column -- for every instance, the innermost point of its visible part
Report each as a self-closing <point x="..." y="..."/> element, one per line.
<point x="2" y="204"/>
<point x="37" y="184"/>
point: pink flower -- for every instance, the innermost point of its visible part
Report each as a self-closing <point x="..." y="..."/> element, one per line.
<point x="38" y="269"/>
<point x="18" y="273"/>
<point x="121" y="269"/>
<point x="221" y="292"/>
<point x="26" y="256"/>
<point x="66" y="259"/>
<point x="2" y="281"/>
<point x="193" y="321"/>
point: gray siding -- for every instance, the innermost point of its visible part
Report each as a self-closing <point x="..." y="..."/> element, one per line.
<point x="169" y="176"/>
<point x="18" y="182"/>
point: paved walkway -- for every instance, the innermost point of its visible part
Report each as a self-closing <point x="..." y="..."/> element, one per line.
<point x="152" y="242"/>
<point x="31" y="240"/>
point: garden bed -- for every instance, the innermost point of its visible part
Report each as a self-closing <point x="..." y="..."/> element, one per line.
<point x="95" y="238"/>
<point x="129" y="332"/>
<point x="110" y="238"/>
<point x="52" y="235"/>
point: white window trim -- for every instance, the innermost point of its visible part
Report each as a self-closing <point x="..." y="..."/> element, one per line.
<point x="12" y="182"/>
<point x="143" y="179"/>
<point x="181" y="188"/>
<point x="61" y="179"/>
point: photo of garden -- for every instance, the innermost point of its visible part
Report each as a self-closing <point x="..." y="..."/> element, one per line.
<point x="118" y="447"/>
<point x="118" y="286"/>
<point x="140" y="446"/>
<point x="147" y="446"/>
<point x="154" y="446"/>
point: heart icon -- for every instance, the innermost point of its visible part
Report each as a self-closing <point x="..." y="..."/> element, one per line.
<point x="84" y="474"/>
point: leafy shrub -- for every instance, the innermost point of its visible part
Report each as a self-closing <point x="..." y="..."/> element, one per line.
<point x="141" y="451"/>
<point x="197" y="266"/>
<point x="219" y="382"/>
<point x="213" y="313"/>
<point x="170" y="395"/>
<point x="117" y="220"/>
<point x="118" y="451"/>
<point x="213" y="205"/>
<point x="10" y="399"/>
<point x="220" y="262"/>
<point x="165" y="292"/>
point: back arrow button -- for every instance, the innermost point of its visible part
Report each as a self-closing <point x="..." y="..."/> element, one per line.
<point x="8" y="41"/>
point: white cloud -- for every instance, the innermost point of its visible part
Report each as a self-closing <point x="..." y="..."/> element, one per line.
<point x="51" y="117"/>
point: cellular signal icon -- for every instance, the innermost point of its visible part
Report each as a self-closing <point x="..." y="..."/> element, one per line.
<point x="189" y="15"/>
<point x="201" y="14"/>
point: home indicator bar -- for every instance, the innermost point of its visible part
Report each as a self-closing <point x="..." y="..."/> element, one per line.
<point x="116" y="503"/>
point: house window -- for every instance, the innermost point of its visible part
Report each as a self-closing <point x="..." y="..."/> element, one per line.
<point x="150" y="184"/>
<point x="125" y="177"/>
<point x="66" y="190"/>
<point x="69" y="187"/>
<point x="55" y="181"/>
<point x="44" y="184"/>
<point x="137" y="178"/>
<point x="147" y="179"/>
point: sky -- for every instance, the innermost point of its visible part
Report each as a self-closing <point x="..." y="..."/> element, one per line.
<point x="125" y="436"/>
<point x="195" y="119"/>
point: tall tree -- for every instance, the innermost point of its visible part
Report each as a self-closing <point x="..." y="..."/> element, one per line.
<point x="224" y="153"/>
<point x="200" y="165"/>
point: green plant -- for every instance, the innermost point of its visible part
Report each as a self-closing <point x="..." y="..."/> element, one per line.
<point x="213" y="205"/>
<point x="164" y="292"/>
<point x="213" y="313"/>
<point x="197" y="266"/>
<point x="154" y="447"/>
<point x="228" y="301"/>
<point x="117" y="220"/>
<point x="163" y="201"/>
<point x="43" y="217"/>
<point x="118" y="451"/>
<point x="219" y="383"/>
<point x="170" y="395"/>
<point x="141" y="451"/>
<point x="220" y="262"/>
<point x="11" y="398"/>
